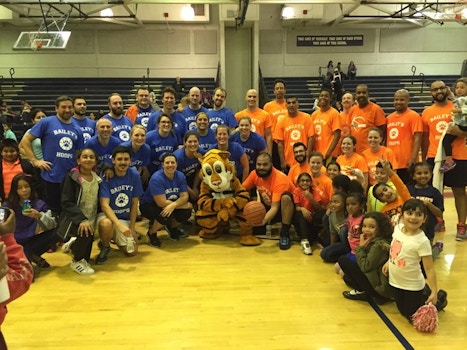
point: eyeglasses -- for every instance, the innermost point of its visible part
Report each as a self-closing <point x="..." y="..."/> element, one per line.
<point x="438" y="88"/>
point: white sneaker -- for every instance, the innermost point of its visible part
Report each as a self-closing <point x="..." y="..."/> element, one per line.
<point x="66" y="247"/>
<point x="306" y="249"/>
<point x="82" y="267"/>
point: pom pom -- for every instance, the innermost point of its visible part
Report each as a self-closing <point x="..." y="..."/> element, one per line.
<point x="425" y="319"/>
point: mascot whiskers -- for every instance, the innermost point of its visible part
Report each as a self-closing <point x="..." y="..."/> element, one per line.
<point x="222" y="198"/>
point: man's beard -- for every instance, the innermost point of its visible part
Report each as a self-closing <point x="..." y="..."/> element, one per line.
<point x="117" y="111"/>
<point x="265" y="173"/>
<point x="300" y="159"/>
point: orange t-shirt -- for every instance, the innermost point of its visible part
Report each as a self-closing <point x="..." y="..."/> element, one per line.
<point x="401" y="129"/>
<point x="10" y="170"/>
<point x="276" y="111"/>
<point x="298" y="169"/>
<point x="291" y="130"/>
<point x="322" y="186"/>
<point x="354" y="161"/>
<point x="324" y="125"/>
<point x="435" y="120"/>
<point x="394" y="210"/>
<point x="345" y="130"/>
<point x="270" y="189"/>
<point x="260" y="119"/>
<point x="362" y="120"/>
<point x="373" y="158"/>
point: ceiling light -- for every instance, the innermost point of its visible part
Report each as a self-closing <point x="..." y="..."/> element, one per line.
<point x="287" y="12"/>
<point x="107" y="12"/>
<point x="188" y="13"/>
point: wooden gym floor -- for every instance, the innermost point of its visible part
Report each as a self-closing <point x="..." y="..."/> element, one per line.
<point x="196" y="294"/>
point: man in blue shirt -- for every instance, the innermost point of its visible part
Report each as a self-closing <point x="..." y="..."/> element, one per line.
<point x="119" y="200"/>
<point x="60" y="139"/>
<point x="121" y="125"/>
<point x="86" y="125"/>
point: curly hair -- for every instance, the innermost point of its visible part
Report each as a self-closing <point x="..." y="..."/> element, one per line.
<point x="384" y="229"/>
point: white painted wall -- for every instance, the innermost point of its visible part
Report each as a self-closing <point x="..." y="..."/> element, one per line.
<point x="178" y="50"/>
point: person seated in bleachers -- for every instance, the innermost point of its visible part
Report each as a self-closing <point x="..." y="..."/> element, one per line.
<point x="352" y="70"/>
<point x="35" y="225"/>
<point x="11" y="164"/>
<point x="8" y="133"/>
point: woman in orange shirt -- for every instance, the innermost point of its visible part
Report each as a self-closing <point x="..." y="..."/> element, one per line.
<point x="352" y="164"/>
<point x="375" y="152"/>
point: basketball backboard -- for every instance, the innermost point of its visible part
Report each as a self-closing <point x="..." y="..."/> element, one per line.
<point x="42" y="40"/>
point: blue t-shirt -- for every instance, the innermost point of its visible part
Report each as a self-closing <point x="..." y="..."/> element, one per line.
<point x="436" y="198"/>
<point x="179" y="124"/>
<point x="143" y="115"/>
<point x="103" y="153"/>
<point x="121" y="127"/>
<point x="206" y="142"/>
<point x="252" y="146"/>
<point x="140" y="158"/>
<point x="190" y="116"/>
<point x="159" y="183"/>
<point x="188" y="166"/>
<point x="236" y="152"/>
<point x="121" y="190"/>
<point x="87" y="126"/>
<point x="59" y="142"/>
<point x="223" y="116"/>
<point x="159" y="146"/>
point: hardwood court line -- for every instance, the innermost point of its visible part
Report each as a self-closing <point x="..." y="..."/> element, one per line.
<point x="404" y="342"/>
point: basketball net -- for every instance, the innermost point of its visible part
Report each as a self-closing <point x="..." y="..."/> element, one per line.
<point x="35" y="41"/>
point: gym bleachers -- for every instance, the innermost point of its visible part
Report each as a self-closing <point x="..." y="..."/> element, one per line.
<point x="381" y="88"/>
<point x="42" y="92"/>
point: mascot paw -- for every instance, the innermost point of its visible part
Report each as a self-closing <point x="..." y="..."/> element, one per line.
<point x="223" y="215"/>
<point x="209" y="235"/>
<point x="249" y="240"/>
<point x="229" y="202"/>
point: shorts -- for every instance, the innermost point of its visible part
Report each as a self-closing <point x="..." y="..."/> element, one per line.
<point x="457" y="177"/>
<point x="118" y="237"/>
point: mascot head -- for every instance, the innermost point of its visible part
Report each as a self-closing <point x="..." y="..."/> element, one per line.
<point x="216" y="170"/>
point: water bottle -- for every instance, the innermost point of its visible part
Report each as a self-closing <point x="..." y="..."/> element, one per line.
<point x="130" y="244"/>
<point x="268" y="231"/>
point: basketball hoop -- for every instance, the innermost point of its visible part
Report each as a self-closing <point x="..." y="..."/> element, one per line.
<point x="35" y="41"/>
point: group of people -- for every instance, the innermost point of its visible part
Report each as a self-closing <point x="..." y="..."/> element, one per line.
<point x="318" y="173"/>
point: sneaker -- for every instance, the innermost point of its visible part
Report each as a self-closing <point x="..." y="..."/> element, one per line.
<point x="439" y="245"/>
<point x="66" y="247"/>
<point x="154" y="240"/>
<point x="440" y="227"/>
<point x="40" y="262"/>
<point x="174" y="233"/>
<point x="442" y="300"/>
<point x="447" y="167"/>
<point x="306" y="249"/>
<point x="130" y="245"/>
<point x="461" y="232"/>
<point x="82" y="267"/>
<point x="102" y="256"/>
<point x="284" y="242"/>
<point x="355" y="295"/>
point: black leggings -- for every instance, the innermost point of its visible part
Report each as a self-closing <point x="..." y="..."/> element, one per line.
<point x="39" y="244"/>
<point x="152" y="212"/>
<point x="408" y="301"/>
<point x="82" y="247"/>
<point x="355" y="278"/>
<point x="449" y="139"/>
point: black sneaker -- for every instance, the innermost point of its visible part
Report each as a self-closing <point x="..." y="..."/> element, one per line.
<point x="442" y="300"/>
<point x="154" y="240"/>
<point x="174" y="233"/>
<point x="355" y="295"/>
<point x="40" y="262"/>
<point x="102" y="256"/>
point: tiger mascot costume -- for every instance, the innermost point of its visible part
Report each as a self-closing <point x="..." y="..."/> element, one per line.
<point x="222" y="198"/>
